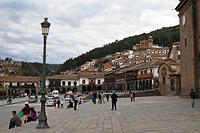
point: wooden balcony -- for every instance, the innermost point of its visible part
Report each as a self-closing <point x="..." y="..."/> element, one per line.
<point x="144" y="76"/>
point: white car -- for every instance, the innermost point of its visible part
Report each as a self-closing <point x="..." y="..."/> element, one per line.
<point x="50" y="102"/>
<point x="67" y="98"/>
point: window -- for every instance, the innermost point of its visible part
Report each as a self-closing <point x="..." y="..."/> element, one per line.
<point x="69" y="83"/>
<point x="63" y="83"/>
<point x="145" y="71"/>
<point x="179" y="57"/>
<point x="75" y="83"/>
<point x="178" y="48"/>
<point x="185" y="42"/>
<point x="83" y="81"/>
<point x="99" y="81"/>
<point x="151" y="70"/>
<point x="141" y="72"/>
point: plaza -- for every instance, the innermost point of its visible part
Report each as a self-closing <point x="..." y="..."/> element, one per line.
<point x="159" y="114"/>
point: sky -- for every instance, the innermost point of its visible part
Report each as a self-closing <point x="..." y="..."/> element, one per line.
<point x="77" y="26"/>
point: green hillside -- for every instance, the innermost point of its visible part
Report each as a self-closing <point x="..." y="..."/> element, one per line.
<point x="163" y="37"/>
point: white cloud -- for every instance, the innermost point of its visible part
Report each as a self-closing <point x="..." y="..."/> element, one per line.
<point x="77" y="26"/>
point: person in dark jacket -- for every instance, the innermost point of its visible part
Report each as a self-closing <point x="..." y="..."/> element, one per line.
<point x="107" y="96"/>
<point x="192" y="97"/>
<point x="15" y="120"/>
<point x="114" y="100"/>
<point x="58" y="102"/>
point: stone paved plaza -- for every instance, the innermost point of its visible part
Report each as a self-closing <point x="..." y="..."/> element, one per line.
<point x="146" y="115"/>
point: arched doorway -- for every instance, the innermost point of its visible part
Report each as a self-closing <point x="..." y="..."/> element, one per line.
<point x="172" y="87"/>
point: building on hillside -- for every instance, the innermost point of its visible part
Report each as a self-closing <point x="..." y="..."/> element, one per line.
<point x="175" y="52"/>
<point x="108" y="66"/>
<point x="144" y="44"/>
<point x="169" y="77"/>
<point x="189" y="16"/>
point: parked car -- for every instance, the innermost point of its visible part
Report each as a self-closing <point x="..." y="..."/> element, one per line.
<point x="24" y="94"/>
<point x="50" y="102"/>
<point x="68" y="97"/>
<point x="32" y="99"/>
<point x="50" y="96"/>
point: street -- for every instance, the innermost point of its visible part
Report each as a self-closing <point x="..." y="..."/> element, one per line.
<point x="146" y="115"/>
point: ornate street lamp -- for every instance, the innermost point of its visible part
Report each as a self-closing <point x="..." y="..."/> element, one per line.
<point x="42" y="117"/>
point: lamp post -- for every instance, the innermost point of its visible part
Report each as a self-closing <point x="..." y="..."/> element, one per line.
<point x="42" y="117"/>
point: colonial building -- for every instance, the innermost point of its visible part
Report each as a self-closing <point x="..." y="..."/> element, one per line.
<point x="147" y="75"/>
<point x="169" y="77"/>
<point x="83" y="81"/>
<point x="20" y="84"/>
<point x="189" y="16"/>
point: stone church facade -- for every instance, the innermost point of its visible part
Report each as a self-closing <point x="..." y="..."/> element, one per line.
<point x="189" y="15"/>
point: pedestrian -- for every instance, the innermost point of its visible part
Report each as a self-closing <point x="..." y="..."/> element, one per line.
<point x="107" y="96"/>
<point x="192" y="97"/>
<point x="55" y="102"/>
<point x="102" y="97"/>
<point x="61" y="103"/>
<point x="95" y="96"/>
<point x="26" y="112"/>
<point x="131" y="96"/>
<point x="70" y="105"/>
<point x="15" y="120"/>
<point x="114" y="100"/>
<point x="99" y="101"/>
<point x="92" y="96"/>
<point x="32" y="116"/>
<point x="75" y="101"/>
<point x="81" y="101"/>
<point x="58" y="102"/>
<point x="134" y="96"/>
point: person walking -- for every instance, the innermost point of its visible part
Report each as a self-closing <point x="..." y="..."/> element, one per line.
<point x="15" y="120"/>
<point x="75" y="101"/>
<point x="131" y="96"/>
<point x="192" y="97"/>
<point x="99" y="101"/>
<point x="134" y="96"/>
<point x="92" y="96"/>
<point x="58" y="102"/>
<point x="114" y="100"/>
<point x="107" y="97"/>
<point x="61" y="103"/>
<point x="55" y="102"/>
<point x="95" y="96"/>
<point x="102" y="97"/>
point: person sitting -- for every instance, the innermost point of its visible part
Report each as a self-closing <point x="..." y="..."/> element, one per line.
<point x="26" y="111"/>
<point x="32" y="116"/>
<point x="70" y="105"/>
<point x="81" y="101"/>
<point x="15" y="120"/>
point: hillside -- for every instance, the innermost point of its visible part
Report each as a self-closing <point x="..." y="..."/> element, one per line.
<point x="163" y="37"/>
<point x="10" y="67"/>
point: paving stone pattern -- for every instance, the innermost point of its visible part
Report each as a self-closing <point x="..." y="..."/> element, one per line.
<point x="146" y="115"/>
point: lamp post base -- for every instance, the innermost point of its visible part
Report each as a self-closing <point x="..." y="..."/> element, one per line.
<point x="42" y="125"/>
